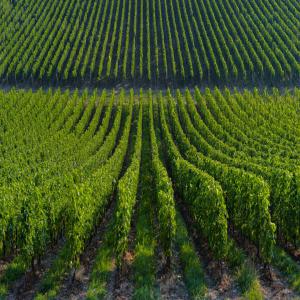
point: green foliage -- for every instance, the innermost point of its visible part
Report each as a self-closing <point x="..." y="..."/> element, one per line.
<point x="145" y="244"/>
<point x="230" y="157"/>
<point x="126" y="195"/>
<point x="164" y="193"/>
<point x="200" y="192"/>
<point x="247" y="196"/>
<point x="218" y="41"/>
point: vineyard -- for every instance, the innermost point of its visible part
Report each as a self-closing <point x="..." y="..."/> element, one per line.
<point x="130" y="185"/>
<point x="155" y="42"/>
<point x="149" y="149"/>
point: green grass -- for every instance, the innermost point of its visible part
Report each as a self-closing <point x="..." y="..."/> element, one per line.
<point x="244" y="273"/>
<point x="13" y="272"/>
<point x="102" y="271"/>
<point x="285" y="264"/>
<point x="192" y="268"/>
<point x="51" y="282"/>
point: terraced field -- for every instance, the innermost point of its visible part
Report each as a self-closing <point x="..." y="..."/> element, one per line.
<point x="155" y="42"/>
<point x="149" y="195"/>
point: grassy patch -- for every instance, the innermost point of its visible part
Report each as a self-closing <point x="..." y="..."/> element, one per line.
<point x="285" y="264"/>
<point x="192" y="268"/>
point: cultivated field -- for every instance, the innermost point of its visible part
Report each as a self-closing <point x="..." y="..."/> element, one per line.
<point x="150" y="41"/>
<point x="149" y="149"/>
<point x="122" y="183"/>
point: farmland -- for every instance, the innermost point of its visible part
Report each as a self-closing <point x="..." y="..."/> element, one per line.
<point x="150" y="42"/>
<point x="149" y="149"/>
<point x="69" y="158"/>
